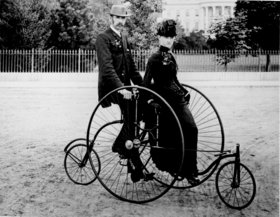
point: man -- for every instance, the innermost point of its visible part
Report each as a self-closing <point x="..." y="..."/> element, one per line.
<point x="116" y="69"/>
<point x="116" y="65"/>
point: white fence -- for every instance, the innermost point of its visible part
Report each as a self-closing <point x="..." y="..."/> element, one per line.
<point x="47" y="60"/>
<point x="84" y="61"/>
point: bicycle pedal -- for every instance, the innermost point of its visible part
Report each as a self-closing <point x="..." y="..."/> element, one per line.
<point x="122" y="162"/>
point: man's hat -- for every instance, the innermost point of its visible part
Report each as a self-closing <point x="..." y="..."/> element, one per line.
<point x="119" y="10"/>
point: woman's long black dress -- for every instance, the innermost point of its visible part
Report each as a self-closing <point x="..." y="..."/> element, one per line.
<point x="161" y="76"/>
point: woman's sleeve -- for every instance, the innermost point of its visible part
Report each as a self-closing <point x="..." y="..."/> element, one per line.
<point x="180" y="85"/>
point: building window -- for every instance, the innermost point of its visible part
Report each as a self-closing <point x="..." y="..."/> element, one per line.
<point x="210" y="12"/>
<point x="218" y="11"/>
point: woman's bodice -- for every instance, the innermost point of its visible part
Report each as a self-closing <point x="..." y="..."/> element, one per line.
<point x="161" y="73"/>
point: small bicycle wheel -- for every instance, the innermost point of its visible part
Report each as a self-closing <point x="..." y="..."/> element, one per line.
<point x="77" y="169"/>
<point x="210" y="135"/>
<point x="236" y="191"/>
<point x="139" y="130"/>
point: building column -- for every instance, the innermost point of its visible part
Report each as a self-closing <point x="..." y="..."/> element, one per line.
<point x="206" y="18"/>
<point x="213" y="15"/>
<point x="201" y="18"/>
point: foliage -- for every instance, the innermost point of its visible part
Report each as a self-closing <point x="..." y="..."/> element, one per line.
<point x="141" y="25"/>
<point x="229" y="35"/>
<point x="24" y="23"/>
<point x="10" y="25"/>
<point x="195" y="41"/>
<point x="71" y="26"/>
<point x="35" y="23"/>
<point x="255" y="26"/>
<point x="264" y="17"/>
<point x="99" y="13"/>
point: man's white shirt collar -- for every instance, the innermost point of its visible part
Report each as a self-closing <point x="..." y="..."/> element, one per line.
<point x="116" y="31"/>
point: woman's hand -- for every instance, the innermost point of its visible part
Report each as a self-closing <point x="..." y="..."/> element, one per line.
<point x="187" y="97"/>
<point x="152" y="103"/>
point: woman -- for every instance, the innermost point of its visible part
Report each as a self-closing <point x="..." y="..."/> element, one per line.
<point x="161" y="76"/>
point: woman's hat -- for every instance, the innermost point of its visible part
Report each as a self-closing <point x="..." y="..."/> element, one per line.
<point x="119" y="10"/>
<point x="167" y="28"/>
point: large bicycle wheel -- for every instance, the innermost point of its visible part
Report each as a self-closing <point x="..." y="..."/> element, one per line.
<point x="144" y="139"/>
<point x="236" y="190"/>
<point x="210" y="135"/>
<point x="79" y="170"/>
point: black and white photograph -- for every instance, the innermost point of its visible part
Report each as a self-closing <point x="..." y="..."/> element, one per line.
<point x="138" y="108"/>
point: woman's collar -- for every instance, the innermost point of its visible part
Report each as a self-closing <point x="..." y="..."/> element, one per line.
<point x="163" y="49"/>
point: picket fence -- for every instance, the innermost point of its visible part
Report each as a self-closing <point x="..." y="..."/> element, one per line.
<point x="85" y="61"/>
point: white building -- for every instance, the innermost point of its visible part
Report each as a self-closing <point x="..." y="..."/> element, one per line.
<point x="196" y="15"/>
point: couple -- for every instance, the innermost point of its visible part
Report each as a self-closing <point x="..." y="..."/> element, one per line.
<point x="117" y="68"/>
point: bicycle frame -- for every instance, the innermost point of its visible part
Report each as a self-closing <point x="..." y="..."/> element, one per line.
<point x="90" y="146"/>
<point x="222" y="156"/>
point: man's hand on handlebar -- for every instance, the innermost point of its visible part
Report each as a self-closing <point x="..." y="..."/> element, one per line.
<point x="126" y="94"/>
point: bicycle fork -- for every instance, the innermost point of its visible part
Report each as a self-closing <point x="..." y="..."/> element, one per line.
<point x="86" y="157"/>
<point x="236" y="172"/>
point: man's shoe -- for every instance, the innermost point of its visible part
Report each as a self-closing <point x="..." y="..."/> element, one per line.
<point x="136" y="175"/>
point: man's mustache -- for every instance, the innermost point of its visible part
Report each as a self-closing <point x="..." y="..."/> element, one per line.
<point x="120" y="25"/>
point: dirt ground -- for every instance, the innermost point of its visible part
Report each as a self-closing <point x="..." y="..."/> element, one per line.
<point x="37" y="123"/>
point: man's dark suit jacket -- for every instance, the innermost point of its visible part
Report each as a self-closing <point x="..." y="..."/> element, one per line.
<point x="111" y="62"/>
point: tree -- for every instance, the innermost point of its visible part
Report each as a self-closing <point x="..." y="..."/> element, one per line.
<point x="71" y="26"/>
<point x="142" y="24"/>
<point x="99" y="17"/>
<point x="229" y="35"/>
<point x="195" y="41"/>
<point x="265" y="17"/>
<point x="10" y="25"/>
<point x="34" y="24"/>
<point x="255" y="26"/>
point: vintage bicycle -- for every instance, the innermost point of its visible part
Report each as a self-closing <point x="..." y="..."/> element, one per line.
<point x="91" y="158"/>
